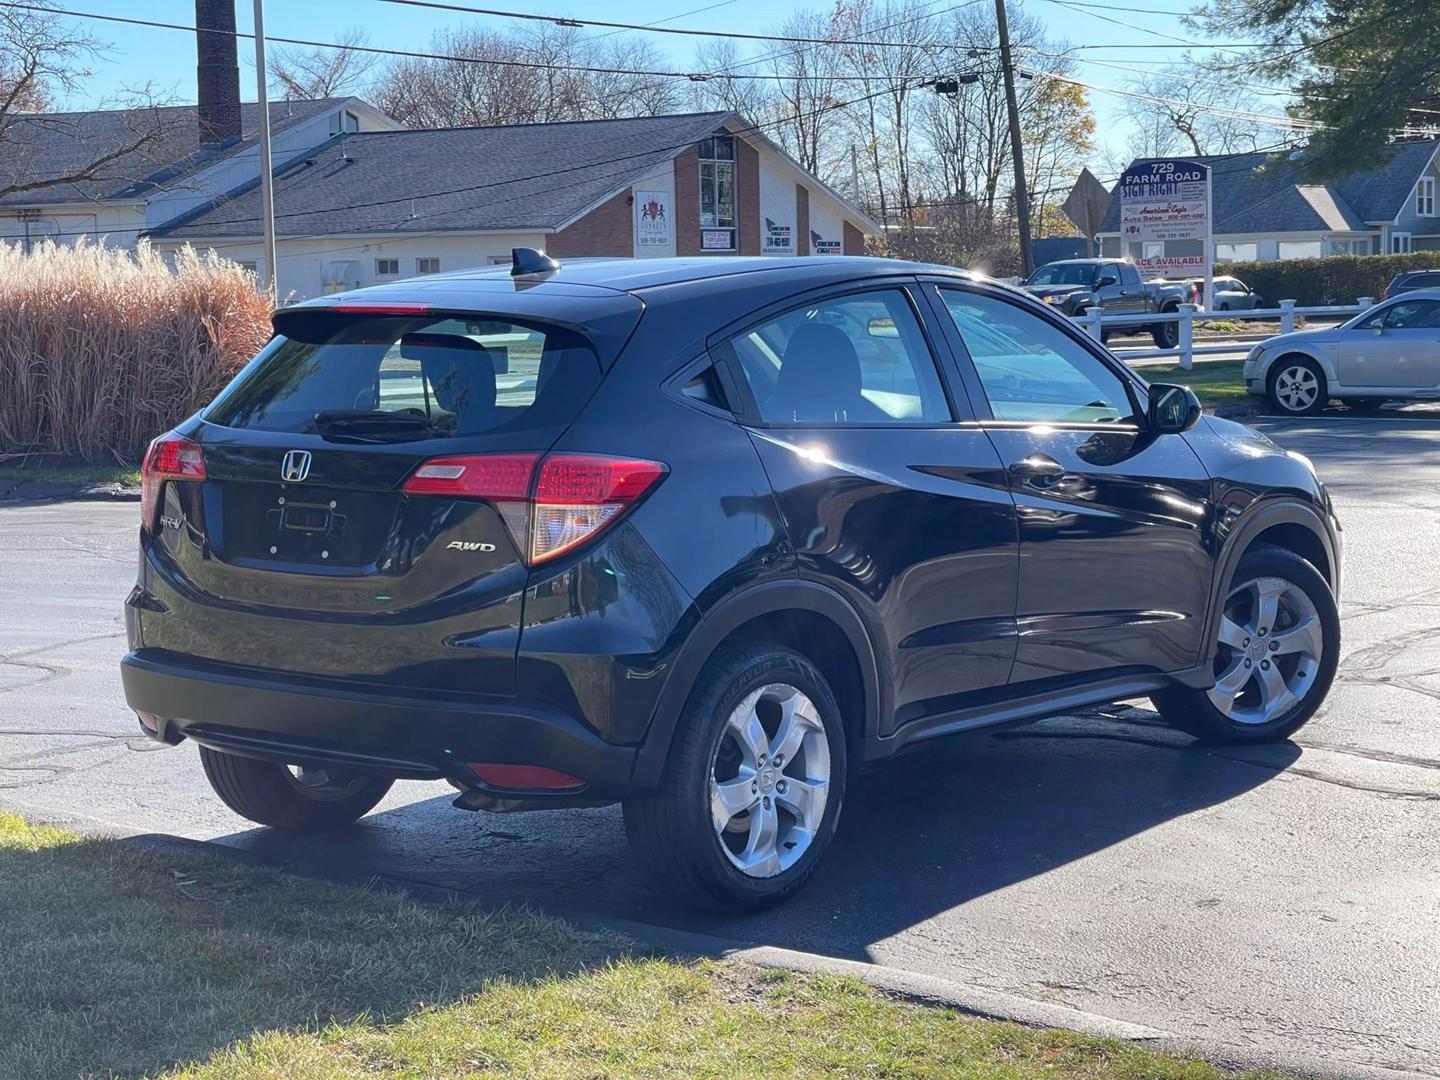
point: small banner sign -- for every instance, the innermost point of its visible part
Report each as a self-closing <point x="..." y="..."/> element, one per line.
<point x="652" y="219"/>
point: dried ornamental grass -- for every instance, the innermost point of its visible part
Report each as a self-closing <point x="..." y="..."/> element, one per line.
<point x="103" y="349"/>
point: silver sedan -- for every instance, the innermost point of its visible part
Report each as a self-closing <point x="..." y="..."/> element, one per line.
<point x="1390" y="351"/>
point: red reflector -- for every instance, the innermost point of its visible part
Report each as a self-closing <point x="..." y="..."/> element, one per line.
<point x="587" y="479"/>
<point x="524" y="777"/>
<point x="502" y="477"/>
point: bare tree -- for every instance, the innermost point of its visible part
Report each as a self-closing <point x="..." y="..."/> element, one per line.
<point x="806" y="93"/>
<point x="322" y="73"/>
<point x="720" y="60"/>
<point x="526" y="76"/>
<point x="41" y="55"/>
<point x="1195" y="108"/>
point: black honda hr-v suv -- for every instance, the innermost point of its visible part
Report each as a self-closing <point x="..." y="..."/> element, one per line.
<point x="701" y="536"/>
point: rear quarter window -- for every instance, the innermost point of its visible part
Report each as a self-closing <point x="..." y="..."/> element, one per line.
<point x="396" y="377"/>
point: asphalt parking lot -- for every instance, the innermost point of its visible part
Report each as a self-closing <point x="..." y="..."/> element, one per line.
<point x="1278" y="900"/>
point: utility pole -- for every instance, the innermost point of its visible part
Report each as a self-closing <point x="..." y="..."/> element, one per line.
<point x="855" y="173"/>
<point x="267" y="194"/>
<point x="1022" y="199"/>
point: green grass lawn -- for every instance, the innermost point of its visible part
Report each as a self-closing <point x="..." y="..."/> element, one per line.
<point x="70" y="474"/>
<point x="125" y="960"/>
<point x="1218" y="383"/>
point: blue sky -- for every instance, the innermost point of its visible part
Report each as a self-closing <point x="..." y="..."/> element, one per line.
<point x="165" y="58"/>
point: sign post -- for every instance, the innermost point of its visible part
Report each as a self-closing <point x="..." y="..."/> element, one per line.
<point x="1166" y="212"/>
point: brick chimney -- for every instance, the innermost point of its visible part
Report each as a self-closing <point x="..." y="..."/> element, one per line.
<point x="217" y="71"/>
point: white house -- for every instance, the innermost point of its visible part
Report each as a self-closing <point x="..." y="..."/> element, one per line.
<point x="173" y="169"/>
<point x="1264" y="209"/>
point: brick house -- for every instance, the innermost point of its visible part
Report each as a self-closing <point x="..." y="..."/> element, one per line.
<point x="366" y="207"/>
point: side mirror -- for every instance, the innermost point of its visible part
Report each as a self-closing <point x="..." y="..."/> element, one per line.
<point x="1378" y="329"/>
<point x="1106" y="279"/>
<point x="1172" y="409"/>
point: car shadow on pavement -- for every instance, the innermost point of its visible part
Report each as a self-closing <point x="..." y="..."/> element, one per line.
<point x="123" y="957"/>
<point x="919" y="836"/>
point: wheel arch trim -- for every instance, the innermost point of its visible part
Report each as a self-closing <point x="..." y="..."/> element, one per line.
<point x="1251" y="523"/>
<point x="1315" y="356"/>
<point x="768" y="598"/>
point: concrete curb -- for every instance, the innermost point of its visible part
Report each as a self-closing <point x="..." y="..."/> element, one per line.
<point x="33" y="491"/>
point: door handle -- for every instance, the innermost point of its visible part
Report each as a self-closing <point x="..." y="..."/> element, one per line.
<point x="1039" y="470"/>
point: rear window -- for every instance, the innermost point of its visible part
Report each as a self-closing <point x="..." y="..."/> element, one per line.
<point x="389" y="378"/>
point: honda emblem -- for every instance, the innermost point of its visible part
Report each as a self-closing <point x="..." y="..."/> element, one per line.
<point x="295" y="467"/>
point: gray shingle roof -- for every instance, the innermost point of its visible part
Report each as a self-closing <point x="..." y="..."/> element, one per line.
<point x="1277" y="199"/>
<point x="44" y="145"/>
<point x="528" y="176"/>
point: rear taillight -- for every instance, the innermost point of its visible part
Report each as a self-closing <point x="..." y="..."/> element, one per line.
<point x="170" y="457"/>
<point x="551" y="502"/>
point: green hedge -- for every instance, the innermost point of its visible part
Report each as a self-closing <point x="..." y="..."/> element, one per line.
<point x="1339" y="279"/>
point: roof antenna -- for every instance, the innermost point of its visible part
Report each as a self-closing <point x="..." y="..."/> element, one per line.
<point x="525" y="261"/>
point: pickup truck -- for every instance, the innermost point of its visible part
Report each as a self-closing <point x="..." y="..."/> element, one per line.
<point x="1072" y="285"/>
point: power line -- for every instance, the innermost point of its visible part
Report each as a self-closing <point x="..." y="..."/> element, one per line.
<point x="651" y="28"/>
<point x="410" y="54"/>
<point x="908" y="20"/>
<point x="1087" y="9"/>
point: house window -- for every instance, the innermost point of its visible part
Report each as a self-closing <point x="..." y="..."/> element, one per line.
<point x="387" y="267"/>
<point x="1247" y="252"/>
<point x="1400" y="243"/>
<point x="717" y="193"/>
<point x="1300" y="249"/>
<point x="1425" y="197"/>
<point x="427" y="266"/>
<point x="1152" y="249"/>
<point x="1350" y="246"/>
<point x="249" y="267"/>
<point x="343" y="121"/>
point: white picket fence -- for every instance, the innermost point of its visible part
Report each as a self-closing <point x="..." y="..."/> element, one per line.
<point x="1096" y="321"/>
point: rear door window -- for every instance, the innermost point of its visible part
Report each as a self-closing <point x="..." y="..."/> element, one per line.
<point x="391" y="378"/>
<point x="855" y="359"/>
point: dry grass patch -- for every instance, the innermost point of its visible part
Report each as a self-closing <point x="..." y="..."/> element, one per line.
<point x="101" y="350"/>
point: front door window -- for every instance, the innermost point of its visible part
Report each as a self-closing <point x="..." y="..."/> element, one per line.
<point x="1032" y="371"/>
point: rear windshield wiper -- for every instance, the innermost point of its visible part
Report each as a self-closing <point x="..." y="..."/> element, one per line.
<point x="370" y="418"/>
<point x="374" y="425"/>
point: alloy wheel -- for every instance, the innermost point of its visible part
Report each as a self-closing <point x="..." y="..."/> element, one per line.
<point x="769" y="780"/>
<point x="323" y="785"/>
<point x="1271" y="646"/>
<point x="1296" y="388"/>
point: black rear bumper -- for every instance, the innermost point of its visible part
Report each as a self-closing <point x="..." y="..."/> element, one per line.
<point x="322" y="722"/>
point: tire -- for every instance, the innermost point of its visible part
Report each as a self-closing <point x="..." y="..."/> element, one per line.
<point x="676" y="832"/>
<point x="1309" y="621"/>
<point x="1166" y="335"/>
<point x="1296" y="386"/>
<point x="268" y="793"/>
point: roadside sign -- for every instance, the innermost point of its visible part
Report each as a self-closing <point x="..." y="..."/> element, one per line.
<point x="1086" y="206"/>
<point x="1166" y="221"/>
